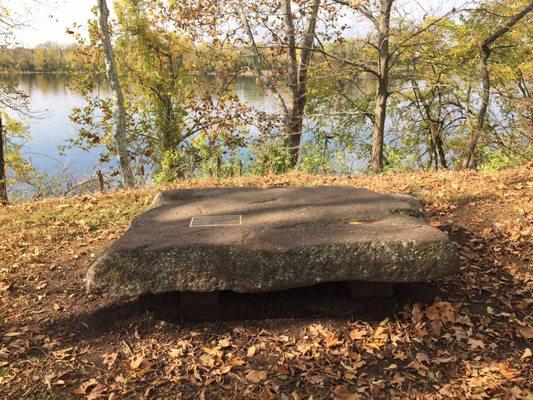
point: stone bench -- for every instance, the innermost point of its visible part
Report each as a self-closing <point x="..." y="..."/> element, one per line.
<point x="202" y="241"/>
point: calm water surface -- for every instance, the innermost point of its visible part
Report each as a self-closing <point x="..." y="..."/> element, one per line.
<point x="51" y="101"/>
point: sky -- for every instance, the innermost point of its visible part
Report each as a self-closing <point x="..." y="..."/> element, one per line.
<point x="48" y="20"/>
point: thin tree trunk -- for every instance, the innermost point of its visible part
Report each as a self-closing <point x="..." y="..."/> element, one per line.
<point x="293" y="109"/>
<point x="3" y="175"/>
<point x="298" y="75"/>
<point x="101" y="181"/>
<point x="294" y="134"/>
<point x="470" y="160"/>
<point x="121" y="143"/>
<point x="440" y="149"/>
<point x="378" y="134"/>
<point x="382" y="91"/>
<point x="435" y="127"/>
<point x="293" y="124"/>
<point x="485" y="50"/>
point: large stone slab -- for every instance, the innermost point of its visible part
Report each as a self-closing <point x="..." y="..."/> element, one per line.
<point x="257" y="240"/>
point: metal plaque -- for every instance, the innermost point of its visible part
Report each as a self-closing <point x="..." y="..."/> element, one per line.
<point x="216" y="220"/>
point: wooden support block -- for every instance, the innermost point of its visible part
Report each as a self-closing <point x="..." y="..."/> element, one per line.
<point x="199" y="298"/>
<point x="370" y="289"/>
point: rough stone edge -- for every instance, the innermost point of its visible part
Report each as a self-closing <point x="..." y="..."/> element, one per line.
<point x="446" y="262"/>
<point x="158" y="201"/>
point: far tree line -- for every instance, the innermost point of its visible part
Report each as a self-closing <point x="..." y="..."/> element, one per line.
<point x="47" y="57"/>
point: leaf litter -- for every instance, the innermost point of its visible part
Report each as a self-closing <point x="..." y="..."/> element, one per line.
<point x="466" y="336"/>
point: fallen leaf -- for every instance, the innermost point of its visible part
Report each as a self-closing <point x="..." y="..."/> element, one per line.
<point x="332" y="341"/>
<point x="12" y="334"/>
<point x="508" y="372"/>
<point x="139" y="361"/>
<point x="357" y="334"/>
<point x="527" y="354"/>
<point x="475" y="344"/>
<point x="251" y="351"/>
<point x="86" y="386"/>
<point x="207" y="361"/>
<point x="225" y="369"/>
<point x="256" y="376"/>
<point x="224" y="343"/>
<point x="525" y="331"/>
<point x="109" y="359"/>
<point x="341" y="392"/>
<point x="96" y="392"/>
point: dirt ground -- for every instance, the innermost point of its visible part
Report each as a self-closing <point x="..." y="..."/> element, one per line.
<point x="465" y="336"/>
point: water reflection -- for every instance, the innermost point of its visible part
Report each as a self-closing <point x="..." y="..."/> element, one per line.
<point x="52" y="101"/>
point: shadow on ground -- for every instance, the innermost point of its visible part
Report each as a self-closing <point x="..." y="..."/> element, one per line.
<point x="323" y="302"/>
<point x="281" y="311"/>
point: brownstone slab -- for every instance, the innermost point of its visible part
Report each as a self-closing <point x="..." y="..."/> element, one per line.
<point x="257" y="240"/>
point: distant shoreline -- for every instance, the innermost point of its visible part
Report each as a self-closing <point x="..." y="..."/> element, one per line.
<point x="36" y="72"/>
<point x="243" y="74"/>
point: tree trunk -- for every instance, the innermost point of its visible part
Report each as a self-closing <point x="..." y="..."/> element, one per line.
<point x="484" y="60"/>
<point x="382" y="92"/>
<point x="3" y="174"/>
<point x="378" y="134"/>
<point x="298" y="76"/>
<point x="440" y="149"/>
<point x="470" y="156"/>
<point x="294" y="135"/>
<point x="121" y="143"/>
<point x="294" y="108"/>
<point x="435" y="126"/>
<point x="292" y="123"/>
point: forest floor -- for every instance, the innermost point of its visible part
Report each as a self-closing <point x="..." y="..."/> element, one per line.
<point x="468" y="336"/>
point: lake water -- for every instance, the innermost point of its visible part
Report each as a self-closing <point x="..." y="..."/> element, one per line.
<point x="51" y="101"/>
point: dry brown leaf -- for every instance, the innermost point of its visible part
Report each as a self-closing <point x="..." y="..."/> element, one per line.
<point x="432" y="313"/>
<point x="527" y="354"/>
<point x="96" y="392"/>
<point x="256" y="376"/>
<point x="342" y="392"/>
<point x="224" y="343"/>
<point x="207" y="361"/>
<point x="525" y="331"/>
<point x="331" y="341"/>
<point x="225" y="369"/>
<point x="508" y="372"/>
<point x="12" y="334"/>
<point x="86" y="386"/>
<point x="357" y="334"/>
<point x="476" y="344"/>
<point x="110" y="359"/>
<point x="138" y="361"/>
<point x="251" y="351"/>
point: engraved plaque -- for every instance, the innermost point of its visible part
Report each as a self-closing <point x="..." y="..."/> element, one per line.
<point x="216" y="220"/>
